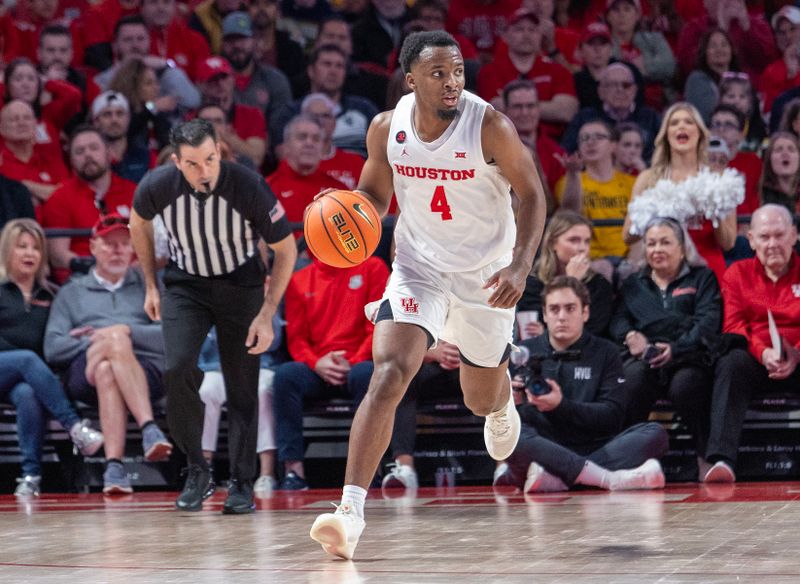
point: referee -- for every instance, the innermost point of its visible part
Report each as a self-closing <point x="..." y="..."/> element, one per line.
<point x="215" y="213"/>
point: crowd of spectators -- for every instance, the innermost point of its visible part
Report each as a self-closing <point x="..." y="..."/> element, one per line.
<point x="614" y="97"/>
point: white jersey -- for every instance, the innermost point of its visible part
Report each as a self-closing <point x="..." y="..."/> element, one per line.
<point x="455" y="208"/>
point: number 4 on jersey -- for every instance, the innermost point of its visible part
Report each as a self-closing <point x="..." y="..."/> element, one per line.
<point x="439" y="204"/>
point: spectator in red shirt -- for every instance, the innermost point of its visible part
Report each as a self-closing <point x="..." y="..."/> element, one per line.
<point x="751" y="290"/>
<point x="54" y="102"/>
<point x="340" y="164"/>
<point x="39" y="14"/>
<point x="749" y="33"/>
<point x="521" y="105"/>
<point x="557" y="100"/>
<point x="781" y="176"/>
<point x="560" y="43"/>
<point x="330" y="339"/>
<point x="481" y="21"/>
<point x="171" y="38"/>
<point x="22" y="159"/>
<point x="217" y="86"/>
<point x="81" y="200"/>
<point x="98" y="29"/>
<point x="298" y="177"/>
<point x="728" y="123"/>
<point x="784" y="73"/>
<point x="55" y="54"/>
<point x="216" y="116"/>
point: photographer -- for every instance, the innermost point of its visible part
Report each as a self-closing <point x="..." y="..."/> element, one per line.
<point x="577" y="396"/>
<point x="667" y="315"/>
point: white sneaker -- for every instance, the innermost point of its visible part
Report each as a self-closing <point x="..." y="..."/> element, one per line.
<point x="647" y="476"/>
<point x="501" y="430"/>
<point x="541" y="481"/>
<point x="86" y="439"/>
<point x="28" y="486"/>
<point x="338" y="532"/>
<point x="402" y="476"/>
<point x="264" y="486"/>
<point x="721" y="472"/>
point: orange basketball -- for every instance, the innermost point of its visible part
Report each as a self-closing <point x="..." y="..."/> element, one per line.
<point x="342" y="228"/>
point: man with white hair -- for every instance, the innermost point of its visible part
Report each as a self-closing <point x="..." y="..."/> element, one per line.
<point x="111" y="115"/>
<point x="93" y="191"/>
<point x="617" y="91"/>
<point x="756" y="291"/>
<point x="340" y="164"/>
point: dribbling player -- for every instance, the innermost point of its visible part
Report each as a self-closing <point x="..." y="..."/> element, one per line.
<point x="461" y="262"/>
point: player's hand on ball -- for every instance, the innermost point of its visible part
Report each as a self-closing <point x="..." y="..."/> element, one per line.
<point x="508" y="284"/>
<point x="259" y="335"/>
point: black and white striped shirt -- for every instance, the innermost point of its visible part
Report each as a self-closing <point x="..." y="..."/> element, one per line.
<point x="214" y="237"/>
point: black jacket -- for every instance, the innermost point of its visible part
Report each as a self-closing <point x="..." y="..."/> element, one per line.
<point x="688" y="315"/>
<point x="593" y="386"/>
<point x="601" y="296"/>
<point x="21" y="326"/>
<point x="15" y="201"/>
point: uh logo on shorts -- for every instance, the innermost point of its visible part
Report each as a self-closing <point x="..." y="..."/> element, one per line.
<point x="409" y="305"/>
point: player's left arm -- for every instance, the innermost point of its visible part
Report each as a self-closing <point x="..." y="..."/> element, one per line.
<point x="502" y="144"/>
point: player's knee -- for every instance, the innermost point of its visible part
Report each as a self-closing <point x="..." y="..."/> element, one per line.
<point x="390" y="380"/>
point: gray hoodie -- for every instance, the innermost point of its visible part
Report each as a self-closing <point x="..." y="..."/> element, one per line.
<point x="83" y="301"/>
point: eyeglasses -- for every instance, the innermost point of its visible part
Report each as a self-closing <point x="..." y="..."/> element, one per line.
<point x="618" y="84"/>
<point x="597" y="137"/>
<point x="724" y="126"/>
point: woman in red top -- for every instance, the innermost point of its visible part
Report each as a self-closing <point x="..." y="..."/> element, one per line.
<point x="54" y="102"/>
<point x="681" y="151"/>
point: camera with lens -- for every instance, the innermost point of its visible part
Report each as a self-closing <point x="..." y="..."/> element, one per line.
<point x="529" y="367"/>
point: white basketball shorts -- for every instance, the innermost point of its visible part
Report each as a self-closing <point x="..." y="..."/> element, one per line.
<point x="451" y="306"/>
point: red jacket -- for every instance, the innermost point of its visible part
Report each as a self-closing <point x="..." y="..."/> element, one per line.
<point x="748" y="293"/>
<point x="180" y="43"/>
<point x="325" y="310"/>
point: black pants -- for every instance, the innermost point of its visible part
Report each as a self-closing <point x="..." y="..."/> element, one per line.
<point x="430" y="382"/>
<point x="688" y="387"/>
<point x="737" y="377"/>
<point x="191" y="305"/>
<point x="549" y="446"/>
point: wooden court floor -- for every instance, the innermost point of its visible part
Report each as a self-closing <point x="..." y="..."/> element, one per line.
<point x="686" y="533"/>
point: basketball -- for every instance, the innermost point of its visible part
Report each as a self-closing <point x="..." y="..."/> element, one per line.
<point x="342" y="228"/>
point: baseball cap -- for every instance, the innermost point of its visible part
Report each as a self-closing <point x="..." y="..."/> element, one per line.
<point x="790" y="13"/>
<point x="522" y="14"/>
<point x="211" y="67"/>
<point x="108" y="224"/>
<point x="595" y="30"/>
<point x="109" y="99"/>
<point x="636" y="3"/>
<point x="237" y="24"/>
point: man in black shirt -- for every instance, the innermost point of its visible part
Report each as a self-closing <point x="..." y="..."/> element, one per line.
<point x="215" y="214"/>
<point x="572" y="421"/>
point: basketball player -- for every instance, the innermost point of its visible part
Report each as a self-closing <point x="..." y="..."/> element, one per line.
<point x="460" y="266"/>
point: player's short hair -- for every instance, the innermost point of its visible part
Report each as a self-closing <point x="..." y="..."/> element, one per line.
<point x="562" y="282"/>
<point x="416" y="42"/>
<point x="191" y="133"/>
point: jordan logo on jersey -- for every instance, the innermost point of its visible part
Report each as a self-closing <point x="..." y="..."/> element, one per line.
<point x="410" y="305"/>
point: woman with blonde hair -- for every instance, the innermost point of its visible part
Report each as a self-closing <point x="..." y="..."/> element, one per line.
<point x="565" y="252"/>
<point x="25" y="379"/>
<point x="680" y="185"/>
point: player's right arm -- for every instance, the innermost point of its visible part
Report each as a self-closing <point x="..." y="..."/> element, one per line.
<point x="144" y="243"/>
<point x="376" y="177"/>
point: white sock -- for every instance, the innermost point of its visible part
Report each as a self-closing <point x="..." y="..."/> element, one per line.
<point x="594" y="475"/>
<point x="355" y="497"/>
